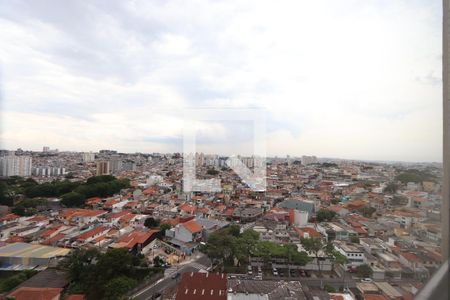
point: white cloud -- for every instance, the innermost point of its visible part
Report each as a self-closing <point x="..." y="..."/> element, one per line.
<point x="338" y="79"/>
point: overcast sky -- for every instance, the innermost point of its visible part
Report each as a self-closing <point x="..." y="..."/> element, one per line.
<point x="347" y="79"/>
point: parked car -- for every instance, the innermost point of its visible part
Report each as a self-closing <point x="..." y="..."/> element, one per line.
<point x="366" y="280"/>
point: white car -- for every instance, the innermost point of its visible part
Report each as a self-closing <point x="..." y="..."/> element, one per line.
<point x="366" y="280"/>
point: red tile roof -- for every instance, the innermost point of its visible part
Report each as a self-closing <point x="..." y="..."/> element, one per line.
<point x="373" y="297"/>
<point x="53" y="239"/>
<point x="118" y="215"/>
<point x="91" y="233"/>
<point x="131" y="239"/>
<point x="187" y="208"/>
<point x="311" y="232"/>
<point x="93" y="200"/>
<point x="50" y="231"/>
<point x="192" y="226"/>
<point x="37" y="219"/>
<point x="110" y="203"/>
<point x="9" y="217"/>
<point x="75" y="297"/>
<point x="27" y="293"/>
<point x="202" y="286"/>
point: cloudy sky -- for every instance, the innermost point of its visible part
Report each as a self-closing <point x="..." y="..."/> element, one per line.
<point x="348" y="78"/>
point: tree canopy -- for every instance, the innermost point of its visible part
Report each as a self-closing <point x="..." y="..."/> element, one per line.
<point x="73" y="199"/>
<point x="105" y="275"/>
<point x="414" y="175"/>
<point x="364" y="271"/>
<point x="325" y="215"/>
<point x="151" y="222"/>
<point x="229" y="245"/>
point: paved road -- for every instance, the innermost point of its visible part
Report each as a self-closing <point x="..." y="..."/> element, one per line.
<point x="168" y="282"/>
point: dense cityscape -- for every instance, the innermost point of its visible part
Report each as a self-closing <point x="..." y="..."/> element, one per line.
<point x="111" y="225"/>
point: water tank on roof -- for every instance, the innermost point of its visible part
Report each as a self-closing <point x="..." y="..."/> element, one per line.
<point x="300" y="218"/>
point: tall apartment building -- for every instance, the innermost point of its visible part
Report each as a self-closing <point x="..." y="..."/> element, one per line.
<point x="103" y="168"/>
<point x="88" y="156"/>
<point x="115" y="165"/>
<point x="307" y="160"/>
<point x="15" y="166"/>
<point x="49" y="171"/>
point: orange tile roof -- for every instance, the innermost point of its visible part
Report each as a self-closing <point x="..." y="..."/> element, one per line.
<point x="149" y="191"/>
<point x="192" y="226"/>
<point x="118" y="215"/>
<point x="202" y="286"/>
<point x="37" y="218"/>
<point x="53" y="239"/>
<point x="27" y="293"/>
<point x="110" y="203"/>
<point x="50" y="231"/>
<point x="75" y="297"/>
<point x="310" y="231"/>
<point x="15" y="239"/>
<point x="90" y="233"/>
<point x="373" y="297"/>
<point x="127" y="218"/>
<point x="9" y="217"/>
<point x="132" y="203"/>
<point x="187" y="208"/>
<point x="172" y="222"/>
<point x="129" y="240"/>
<point x="410" y="256"/>
<point x="79" y="212"/>
<point x="93" y="200"/>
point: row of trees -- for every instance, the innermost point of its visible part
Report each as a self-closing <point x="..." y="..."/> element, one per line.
<point x="29" y="207"/>
<point x="101" y="186"/>
<point x="105" y="275"/>
<point x="73" y="194"/>
<point x="230" y="246"/>
<point x="414" y="175"/>
<point x="7" y="284"/>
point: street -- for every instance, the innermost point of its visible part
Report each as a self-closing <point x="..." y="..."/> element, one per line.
<point x="200" y="261"/>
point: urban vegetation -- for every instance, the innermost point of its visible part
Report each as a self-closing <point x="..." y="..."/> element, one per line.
<point x="106" y="275"/>
<point x="25" y="194"/>
<point x="234" y="249"/>
<point x="8" y="283"/>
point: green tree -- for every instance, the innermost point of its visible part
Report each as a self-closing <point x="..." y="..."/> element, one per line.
<point x="11" y="282"/>
<point x="73" y="199"/>
<point x="325" y="215"/>
<point x="151" y="222"/>
<point x="212" y="172"/>
<point x="414" y="175"/>
<point x="354" y="239"/>
<point x="117" y="287"/>
<point x="391" y="188"/>
<point x="93" y="273"/>
<point x="158" y="261"/>
<point x="314" y="246"/>
<point x="364" y="271"/>
<point x="5" y="195"/>
<point x="234" y="230"/>
<point x="101" y="178"/>
<point x="164" y="227"/>
<point x="329" y="288"/>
